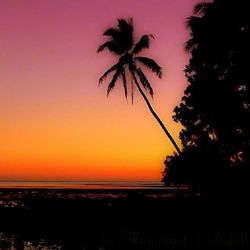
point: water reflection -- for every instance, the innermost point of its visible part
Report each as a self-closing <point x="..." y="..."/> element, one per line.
<point x="15" y="242"/>
<point x="86" y="219"/>
<point x="83" y="184"/>
<point x="119" y="219"/>
<point x="153" y="239"/>
<point x="107" y="241"/>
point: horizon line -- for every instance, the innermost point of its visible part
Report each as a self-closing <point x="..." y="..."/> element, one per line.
<point x="100" y="180"/>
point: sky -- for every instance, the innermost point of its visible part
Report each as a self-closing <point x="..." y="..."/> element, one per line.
<point x="55" y="122"/>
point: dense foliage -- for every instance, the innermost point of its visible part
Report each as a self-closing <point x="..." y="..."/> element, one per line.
<point x="215" y="108"/>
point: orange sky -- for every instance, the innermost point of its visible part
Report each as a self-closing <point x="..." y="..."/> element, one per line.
<point x="56" y="124"/>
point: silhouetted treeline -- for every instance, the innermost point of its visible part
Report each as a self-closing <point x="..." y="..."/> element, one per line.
<point x="215" y="108"/>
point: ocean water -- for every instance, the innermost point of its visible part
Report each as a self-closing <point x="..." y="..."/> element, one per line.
<point x="79" y="214"/>
<point x="84" y="184"/>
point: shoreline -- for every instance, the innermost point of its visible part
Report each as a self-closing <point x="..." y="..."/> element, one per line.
<point x="88" y="219"/>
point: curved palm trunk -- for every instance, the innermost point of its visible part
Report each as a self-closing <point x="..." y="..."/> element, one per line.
<point x="155" y="115"/>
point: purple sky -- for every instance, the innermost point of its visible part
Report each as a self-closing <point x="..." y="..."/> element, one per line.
<point x="52" y="113"/>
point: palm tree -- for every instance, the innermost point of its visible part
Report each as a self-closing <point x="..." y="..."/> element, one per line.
<point x="121" y="43"/>
<point x="195" y="23"/>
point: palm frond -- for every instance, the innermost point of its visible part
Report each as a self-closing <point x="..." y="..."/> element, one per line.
<point x="193" y="22"/>
<point x="114" y="34"/>
<point x="190" y="44"/>
<point x="126" y="37"/>
<point x="111" y="69"/>
<point x="106" y="45"/>
<point x="111" y="32"/>
<point x="124" y="81"/>
<point x="112" y="46"/>
<point x="201" y="8"/>
<point x="150" y="64"/>
<point x="142" y="44"/>
<point x="121" y="38"/>
<point x="132" y="88"/>
<point x="112" y="83"/>
<point x="126" y="26"/>
<point x="145" y="83"/>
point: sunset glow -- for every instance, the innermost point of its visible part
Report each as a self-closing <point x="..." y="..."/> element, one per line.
<point x="56" y="124"/>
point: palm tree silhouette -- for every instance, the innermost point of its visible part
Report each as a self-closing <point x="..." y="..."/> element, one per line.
<point x="195" y="23"/>
<point x="121" y="43"/>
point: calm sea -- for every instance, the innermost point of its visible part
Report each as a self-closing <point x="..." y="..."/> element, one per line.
<point x="84" y="184"/>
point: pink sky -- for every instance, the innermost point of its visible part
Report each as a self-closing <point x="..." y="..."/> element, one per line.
<point x="55" y="122"/>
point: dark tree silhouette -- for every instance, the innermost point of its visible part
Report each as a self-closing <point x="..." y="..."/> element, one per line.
<point x="122" y="44"/>
<point x="215" y="108"/>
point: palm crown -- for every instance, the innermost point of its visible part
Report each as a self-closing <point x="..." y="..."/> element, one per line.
<point x="122" y="43"/>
